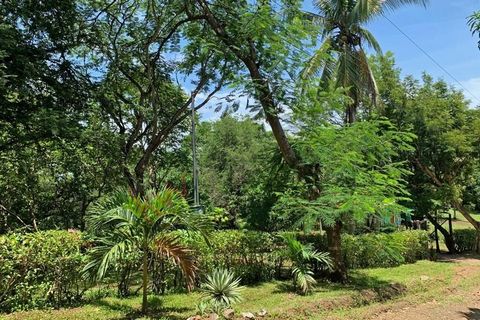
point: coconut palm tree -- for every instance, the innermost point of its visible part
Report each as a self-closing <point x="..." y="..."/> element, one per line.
<point x="345" y="38"/>
<point x="126" y="224"/>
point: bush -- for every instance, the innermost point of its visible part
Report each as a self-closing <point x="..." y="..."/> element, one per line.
<point x="40" y="269"/>
<point x="465" y="240"/>
<point x="385" y="250"/>
<point x="376" y="249"/>
<point x="248" y="254"/>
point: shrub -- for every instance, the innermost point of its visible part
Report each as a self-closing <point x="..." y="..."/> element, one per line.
<point x="222" y="287"/>
<point x="248" y="254"/>
<point x="465" y="240"/>
<point x="376" y="249"/>
<point x="40" y="269"/>
<point x="385" y="250"/>
<point x="301" y="257"/>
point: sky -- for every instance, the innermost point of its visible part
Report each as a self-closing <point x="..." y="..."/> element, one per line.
<point x="441" y="30"/>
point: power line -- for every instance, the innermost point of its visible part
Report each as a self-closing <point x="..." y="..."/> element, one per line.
<point x="431" y="58"/>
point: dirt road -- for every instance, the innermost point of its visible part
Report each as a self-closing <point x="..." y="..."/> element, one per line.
<point x="456" y="304"/>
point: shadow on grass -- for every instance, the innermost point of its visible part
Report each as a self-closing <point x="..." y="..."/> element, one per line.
<point x="156" y="310"/>
<point x="472" y="314"/>
<point x="366" y="289"/>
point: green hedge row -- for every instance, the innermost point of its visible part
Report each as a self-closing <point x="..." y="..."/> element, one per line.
<point x="254" y="255"/>
<point x="40" y="269"/>
<point x="43" y="269"/>
<point x="465" y="240"/>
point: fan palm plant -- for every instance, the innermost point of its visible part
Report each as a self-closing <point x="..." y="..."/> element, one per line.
<point x="344" y="39"/>
<point x="125" y="224"/>
<point x="302" y="257"/>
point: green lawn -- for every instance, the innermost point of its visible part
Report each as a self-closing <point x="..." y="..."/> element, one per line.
<point x="419" y="281"/>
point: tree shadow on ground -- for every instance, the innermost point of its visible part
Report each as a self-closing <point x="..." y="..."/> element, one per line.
<point x="357" y="281"/>
<point x="471" y="314"/>
<point x="156" y="310"/>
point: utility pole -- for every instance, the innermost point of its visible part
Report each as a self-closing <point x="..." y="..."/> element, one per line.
<point x="196" y="198"/>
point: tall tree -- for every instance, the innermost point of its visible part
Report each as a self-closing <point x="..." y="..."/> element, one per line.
<point x="265" y="37"/>
<point x="53" y="166"/>
<point x="345" y="37"/>
<point x="446" y="155"/>
<point x="135" y="50"/>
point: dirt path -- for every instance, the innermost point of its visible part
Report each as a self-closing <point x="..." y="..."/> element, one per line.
<point x="456" y="304"/>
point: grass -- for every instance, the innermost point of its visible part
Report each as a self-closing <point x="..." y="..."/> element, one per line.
<point x="367" y="287"/>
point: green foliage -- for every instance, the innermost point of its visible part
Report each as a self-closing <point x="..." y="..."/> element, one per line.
<point x="474" y="24"/>
<point x="40" y="269"/>
<point x="301" y="256"/>
<point x="222" y="288"/>
<point x="466" y="240"/>
<point x="246" y="253"/>
<point x="345" y="38"/>
<point x="127" y="224"/>
<point x="447" y="129"/>
<point x="360" y="172"/>
<point x="385" y="250"/>
<point x="237" y="170"/>
<point x="376" y="249"/>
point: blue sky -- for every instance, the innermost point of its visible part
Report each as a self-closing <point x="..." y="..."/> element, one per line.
<point x="441" y="30"/>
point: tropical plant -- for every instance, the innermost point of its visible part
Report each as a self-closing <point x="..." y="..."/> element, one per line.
<point x="474" y="24"/>
<point x="222" y="288"/>
<point x="125" y="223"/>
<point x="344" y="38"/>
<point x="302" y="256"/>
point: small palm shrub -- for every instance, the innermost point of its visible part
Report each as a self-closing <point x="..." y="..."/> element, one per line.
<point x="302" y="256"/>
<point x="125" y="224"/>
<point x="222" y="289"/>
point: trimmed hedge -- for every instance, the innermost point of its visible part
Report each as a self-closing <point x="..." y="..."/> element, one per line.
<point x="40" y="269"/>
<point x="254" y="256"/>
<point x="385" y="250"/>
<point x="465" y="240"/>
<point x="249" y="254"/>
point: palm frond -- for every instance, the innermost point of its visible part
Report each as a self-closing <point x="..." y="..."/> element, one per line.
<point x="369" y="39"/>
<point x="170" y="247"/>
<point x="368" y="78"/>
<point x="318" y="61"/>
<point x="303" y="279"/>
<point x="390" y="5"/>
<point x="105" y="255"/>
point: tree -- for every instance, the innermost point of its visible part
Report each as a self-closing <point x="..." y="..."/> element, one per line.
<point x="237" y="169"/>
<point x="53" y="166"/>
<point x="131" y="56"/>
<point x="446" y="148"/>
<point x="254" y="33"/>
<point x="474" y="24"/>
<point x="345" y="37"/>
<point x="360" y="171"/>
<point x="127" y="224"/>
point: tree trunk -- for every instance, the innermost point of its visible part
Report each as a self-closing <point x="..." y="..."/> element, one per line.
<point x="265" y="95"/>
<point x="334" y="239"/>
<point x="145" y="280"/>
<point x="449" y="240"/>
<point x="466" y="213"/>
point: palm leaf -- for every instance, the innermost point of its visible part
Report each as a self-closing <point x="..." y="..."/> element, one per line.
<point x="170" y="247"/>
<point x="318" y="61"/>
